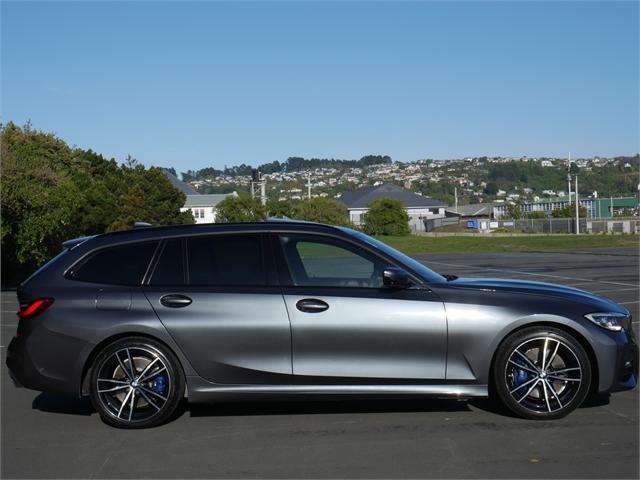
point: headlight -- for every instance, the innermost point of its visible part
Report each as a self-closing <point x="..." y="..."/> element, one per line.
<point x="610" y="320"/>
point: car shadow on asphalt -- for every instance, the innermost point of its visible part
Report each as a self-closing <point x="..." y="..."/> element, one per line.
<point x="47" y="402"/>
<point x="331" y="406"/>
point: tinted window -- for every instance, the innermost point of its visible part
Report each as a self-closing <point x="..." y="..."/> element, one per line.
<point x="125" y="265"/>
<point x="226" y="260"/>
<point x="170" y="267"/>
<point x="324" y="261"/>
<point x="426" y="273"/>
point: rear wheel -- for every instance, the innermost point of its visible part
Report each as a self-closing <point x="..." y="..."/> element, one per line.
<point x="136" y="383"/>
<point x="541" y="373"/>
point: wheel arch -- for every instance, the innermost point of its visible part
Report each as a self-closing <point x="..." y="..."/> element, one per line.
<point x="88" y="364"/>
<point x="591" y="355"/>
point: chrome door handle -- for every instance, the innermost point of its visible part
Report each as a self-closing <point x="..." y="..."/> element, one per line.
<point x="175" y="301"/>
<point x="311" y="305"/>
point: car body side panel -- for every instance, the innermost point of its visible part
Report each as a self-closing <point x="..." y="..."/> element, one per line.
<point x="59" y="341"/>
<point x="479" y="320"/>
<point x="387" y="334"/>
<point x="230" y="337"/>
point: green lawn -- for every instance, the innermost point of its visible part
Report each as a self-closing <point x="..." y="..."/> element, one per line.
<point x="452" y="244"/>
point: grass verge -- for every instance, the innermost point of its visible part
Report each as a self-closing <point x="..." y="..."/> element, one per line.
<point x="414" y="244"/>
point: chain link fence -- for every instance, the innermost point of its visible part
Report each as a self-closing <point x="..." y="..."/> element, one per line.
<point x="566" y="225"/>
<point x="539" y="225"/>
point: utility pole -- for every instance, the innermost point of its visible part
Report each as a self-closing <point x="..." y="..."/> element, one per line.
<point x="569" y="177"/>
<point x="577" y="209"/>
<point x="263" y="190"/>
<point x="309" y="185"/>
<point x="611" y="205"/>
<point x="455" y="194"/>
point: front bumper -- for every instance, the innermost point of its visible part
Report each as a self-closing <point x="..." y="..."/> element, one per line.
<point x="626" y="369"/>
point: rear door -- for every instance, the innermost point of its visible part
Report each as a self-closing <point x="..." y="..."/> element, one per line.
<point x="217" y="297"/>
<point x="345" y="323"/>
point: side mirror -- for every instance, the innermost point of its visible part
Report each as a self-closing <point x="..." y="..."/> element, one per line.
<point x="394" y="277"/>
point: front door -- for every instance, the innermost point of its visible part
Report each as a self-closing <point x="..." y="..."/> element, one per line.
<point x="345" y="323"/>
<point x="216" y="297"/>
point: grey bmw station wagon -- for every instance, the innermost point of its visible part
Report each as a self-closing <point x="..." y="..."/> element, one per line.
<point x="137" y="320"/>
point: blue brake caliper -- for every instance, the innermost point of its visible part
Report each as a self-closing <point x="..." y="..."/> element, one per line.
<point x="519" y="376"/>
<point x="159" y="384"/>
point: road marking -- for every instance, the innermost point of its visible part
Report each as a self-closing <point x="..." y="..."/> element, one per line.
<point x="615" y="290"/>
<point x="628" y="303"/>
<point x="520" y="272"/>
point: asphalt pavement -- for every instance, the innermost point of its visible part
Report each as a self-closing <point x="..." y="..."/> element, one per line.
<point x="55" y="437"/>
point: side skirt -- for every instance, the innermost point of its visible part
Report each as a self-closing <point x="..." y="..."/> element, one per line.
<point x="202" y="391"/>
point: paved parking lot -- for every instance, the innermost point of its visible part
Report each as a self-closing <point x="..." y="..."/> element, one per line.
<point x="48" y="436"/>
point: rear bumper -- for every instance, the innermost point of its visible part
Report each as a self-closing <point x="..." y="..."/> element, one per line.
<point x="25" y="374"/>
<point x="22" y="372"/>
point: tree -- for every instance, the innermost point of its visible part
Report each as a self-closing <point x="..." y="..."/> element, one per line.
<point x="242" y="208"/>
<point x="569" y="211"/>
<point x="386" y="217"/>
<point x="281" y="208"/>
<point x="39" y="198"/>
<point x="51" y="192"/>
<point x="514" y="211"/>
<point x="322" y="210"/>
<point x="491" y="188"/>
<point x="130" y="209"/>
<point x="162" y="201"/>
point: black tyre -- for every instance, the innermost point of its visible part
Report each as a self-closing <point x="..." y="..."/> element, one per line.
<point x="136" y="382"/>
<point x="541" y="373"/>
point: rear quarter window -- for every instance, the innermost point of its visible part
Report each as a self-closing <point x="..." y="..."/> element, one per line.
<point x="121" y="265"/>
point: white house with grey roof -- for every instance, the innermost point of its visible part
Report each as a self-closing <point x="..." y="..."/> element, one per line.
<point x="419" y="208"/>
<point x="203" y="207"/>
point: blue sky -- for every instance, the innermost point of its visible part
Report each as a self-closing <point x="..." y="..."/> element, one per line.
<point x="207" y="84"/>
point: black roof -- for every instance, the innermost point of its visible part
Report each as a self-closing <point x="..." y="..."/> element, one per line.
<point x="155" y="232"/>
<point x="362" y="197"/>
<point x="180" y="185"/>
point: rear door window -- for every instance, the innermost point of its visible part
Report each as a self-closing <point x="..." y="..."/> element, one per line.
<point x="226" y="260"/>
<point x="121" y="265"/>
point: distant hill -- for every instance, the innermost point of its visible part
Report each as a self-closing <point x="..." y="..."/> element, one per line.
<point x="291" y="164"/>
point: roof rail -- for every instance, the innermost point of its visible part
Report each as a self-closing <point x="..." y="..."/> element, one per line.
<point x="287" y="219"/>
<point x="141" y="225"/>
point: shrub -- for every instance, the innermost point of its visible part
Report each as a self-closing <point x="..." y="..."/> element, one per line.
<point x="386" y="217"/>
<point x="322" y="210"/>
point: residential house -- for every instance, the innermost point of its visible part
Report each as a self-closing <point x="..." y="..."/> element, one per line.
<point x="419" y="208"/>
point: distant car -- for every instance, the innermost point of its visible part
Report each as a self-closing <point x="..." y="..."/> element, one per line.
<point x="139" y="319"/>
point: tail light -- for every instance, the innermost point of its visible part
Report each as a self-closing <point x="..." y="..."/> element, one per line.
<point x="34" y="308"/>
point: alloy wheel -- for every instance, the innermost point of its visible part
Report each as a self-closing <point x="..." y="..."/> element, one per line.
<point x="543" y="374"/>
<point x="133" y="384"/>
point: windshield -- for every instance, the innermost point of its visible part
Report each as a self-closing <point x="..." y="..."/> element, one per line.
<point x="426" y="273"/>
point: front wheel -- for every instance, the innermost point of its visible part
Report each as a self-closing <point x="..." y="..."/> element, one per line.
<point x="541" y="373"/>
<point x="136" y="383"/>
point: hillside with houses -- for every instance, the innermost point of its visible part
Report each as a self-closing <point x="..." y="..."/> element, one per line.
<point x="474" y="180"/>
